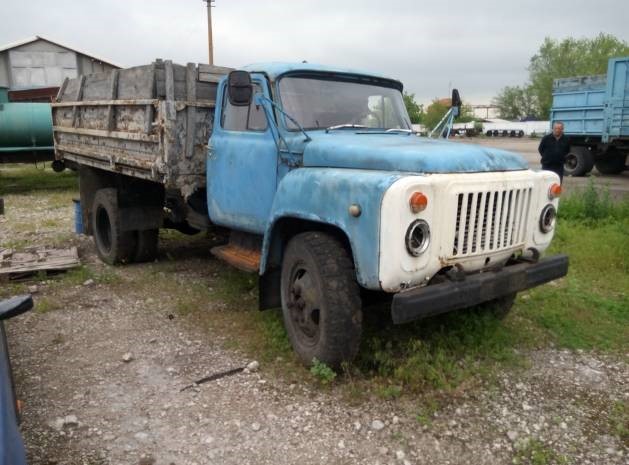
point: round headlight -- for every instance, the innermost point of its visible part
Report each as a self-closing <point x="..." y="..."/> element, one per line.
<point x="417" y="237"/>
<point x="547" y="218"/>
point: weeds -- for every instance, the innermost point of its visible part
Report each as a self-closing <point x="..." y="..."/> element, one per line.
<point x="619" y="420"/>
<point x="535" y="452"/>
<point x="322" y="373"/>
<point x="593" y="205"/>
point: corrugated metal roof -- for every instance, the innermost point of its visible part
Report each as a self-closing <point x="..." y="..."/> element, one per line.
<point x="36" y="38"/>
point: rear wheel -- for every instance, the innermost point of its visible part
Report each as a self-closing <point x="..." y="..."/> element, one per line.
<point x="613" y="162"/>
<point x="146" y="249"/>
<point x="579" y="161"/>
<point x="112" y="245"/>
<point x="321" y="302"/>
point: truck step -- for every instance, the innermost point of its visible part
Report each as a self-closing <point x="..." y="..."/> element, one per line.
<point x="243" y="258"/>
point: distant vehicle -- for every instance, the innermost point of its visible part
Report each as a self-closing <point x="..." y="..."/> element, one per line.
<point x="595" y="113"/>
<point x="11" y="445"/>
<point x="323" y="186"/>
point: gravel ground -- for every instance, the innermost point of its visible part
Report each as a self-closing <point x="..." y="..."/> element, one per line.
<point x="101" y="380"/>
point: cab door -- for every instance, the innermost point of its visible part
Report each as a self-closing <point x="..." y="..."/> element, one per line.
<point x="241" y="164"/>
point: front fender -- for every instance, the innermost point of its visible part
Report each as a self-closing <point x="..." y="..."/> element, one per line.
<point x="324" y="195"/>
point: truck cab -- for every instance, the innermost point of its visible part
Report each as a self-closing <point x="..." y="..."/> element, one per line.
<point x="328" y="191"/>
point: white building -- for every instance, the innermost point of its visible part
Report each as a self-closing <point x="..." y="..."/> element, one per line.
<point x="40" y="63"/>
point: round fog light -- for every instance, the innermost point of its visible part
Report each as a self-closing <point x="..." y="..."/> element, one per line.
<point x="547" y="218"/>
<point x="417" y="237"/>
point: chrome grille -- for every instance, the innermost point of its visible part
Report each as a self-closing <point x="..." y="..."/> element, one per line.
<point x="490" y="221"/>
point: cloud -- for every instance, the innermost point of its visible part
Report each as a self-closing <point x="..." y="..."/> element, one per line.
<point x="477" y="46"/>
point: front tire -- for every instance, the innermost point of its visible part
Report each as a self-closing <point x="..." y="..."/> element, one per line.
<point x="321" y="302"/>
<point x="112" y="245"/>
<point x="501" y="306"/>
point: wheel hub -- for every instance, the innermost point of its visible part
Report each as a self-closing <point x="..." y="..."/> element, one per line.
<point x="304" y="305"/>
<point x="571" y="161"/>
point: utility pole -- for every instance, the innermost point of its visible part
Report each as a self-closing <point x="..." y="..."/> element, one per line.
<point x="209" y="32"/>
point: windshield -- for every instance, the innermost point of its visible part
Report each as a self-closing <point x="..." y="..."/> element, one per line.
<point x="323" y="103"/>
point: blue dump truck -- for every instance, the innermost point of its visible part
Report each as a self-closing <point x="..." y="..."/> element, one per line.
<point x="320" y="185"/>
<point x="595" y="113"/>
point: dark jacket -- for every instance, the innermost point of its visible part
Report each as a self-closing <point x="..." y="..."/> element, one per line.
<point x="552" y="150"/>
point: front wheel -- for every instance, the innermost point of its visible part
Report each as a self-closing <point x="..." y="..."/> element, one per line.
<point x="501" y="306"/>
<point x="321" y="302"/>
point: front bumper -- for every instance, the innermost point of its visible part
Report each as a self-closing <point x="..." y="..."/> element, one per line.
<point x="475" y="289"/>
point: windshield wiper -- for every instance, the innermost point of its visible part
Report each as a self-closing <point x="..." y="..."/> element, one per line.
<point x="407" y="131"/>
<point x="345" y="126"/>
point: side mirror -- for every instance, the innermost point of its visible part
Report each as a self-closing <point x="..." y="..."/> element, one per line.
<point x="456" y="101"/>
<point x="239" y="88"/>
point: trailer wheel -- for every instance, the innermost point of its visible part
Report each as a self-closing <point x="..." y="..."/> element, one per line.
<point x="112" y="245"/>
<point x="520" y="133"/>
<point x="611" y="163"/>
<point x="321" y="302"/>
<point x="579" y="161"/>
<point x="489" y="133"/>
<point x="146" y="250"/>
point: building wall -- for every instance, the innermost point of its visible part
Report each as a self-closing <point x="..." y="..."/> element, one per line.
<point x="4" y="70"/>
<point x="43" y="64"/>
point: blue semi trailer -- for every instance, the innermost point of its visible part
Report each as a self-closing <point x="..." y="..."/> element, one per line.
<point x="318" y="181"/>
<point x="595" y="113"/>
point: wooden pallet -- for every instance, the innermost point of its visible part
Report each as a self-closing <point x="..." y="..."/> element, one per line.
<point x="19" y="265"/>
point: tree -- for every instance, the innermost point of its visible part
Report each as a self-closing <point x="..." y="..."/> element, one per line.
<point x="570" y="57"/>
<point x="435" y="112"/>
<point x="466" y="115"/>
<point x="557" y="59"/>
<point x="414" y="109"/>
<point x="438" y="108"/>
<point x="515" y="102"/>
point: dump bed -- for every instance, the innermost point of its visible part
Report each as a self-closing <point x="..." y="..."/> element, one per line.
<point x="151" y="122"/>
<point x="596" y="106"/>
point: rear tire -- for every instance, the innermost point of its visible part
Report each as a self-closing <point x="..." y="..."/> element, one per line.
<point x="112" y="245"/>
<point x="146" y="250"/>
<point x="611" y="163"/>
<point x="321" y="301"/>
<point x="579" y="161"/>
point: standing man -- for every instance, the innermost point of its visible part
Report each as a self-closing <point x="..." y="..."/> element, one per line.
<point x="553" y="148"/>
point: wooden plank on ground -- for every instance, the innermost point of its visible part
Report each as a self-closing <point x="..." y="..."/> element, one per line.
<point x="15" y="265"/>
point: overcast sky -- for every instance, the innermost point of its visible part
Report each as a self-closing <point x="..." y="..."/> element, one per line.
<point x="478" y="46"/>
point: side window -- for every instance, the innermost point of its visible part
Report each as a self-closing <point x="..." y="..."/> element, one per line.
<point x="249" y="118"/>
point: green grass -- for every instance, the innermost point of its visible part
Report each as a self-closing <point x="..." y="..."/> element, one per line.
<point x="321" y="372"/>
<point x="535" y="452"/>
<point x="30" y="179"/>
<point x="619" y="421"/>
